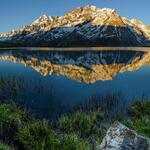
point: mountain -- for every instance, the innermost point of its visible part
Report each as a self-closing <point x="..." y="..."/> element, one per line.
<point x="83" y="26"/>
<point x="87" y="67"/>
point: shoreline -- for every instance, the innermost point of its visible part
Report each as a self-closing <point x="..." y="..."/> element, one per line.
<point x="77" y="48"/>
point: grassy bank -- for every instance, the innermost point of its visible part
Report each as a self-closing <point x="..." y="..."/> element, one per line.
<point x="139" y="121"/>
<point x="78" y="131"/>
<point x="81" y="130"/>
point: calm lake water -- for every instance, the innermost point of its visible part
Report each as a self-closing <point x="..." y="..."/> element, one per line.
<point x="50" y="83"/>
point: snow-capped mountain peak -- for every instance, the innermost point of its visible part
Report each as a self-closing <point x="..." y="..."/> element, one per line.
<point x="43" y="18"/>
<point x="98" y="26"/>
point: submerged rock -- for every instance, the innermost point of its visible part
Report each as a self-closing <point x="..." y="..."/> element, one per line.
<point x="119" y="137"/>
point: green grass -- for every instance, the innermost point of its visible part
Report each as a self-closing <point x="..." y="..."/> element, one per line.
<point x="4" y="147"/>
<point x="73" y="142"/>
<point x="71" y="132"/>
<point x="11" y="119"/>
<point x="11" y="114"/>
<point x="77" y="131"/>
<point x="140" y="117"/>
<point x="141" y="125"/>
<point x="139" y="109"/>
<point x="38" y="136"/>
<point x="82" y="123"/>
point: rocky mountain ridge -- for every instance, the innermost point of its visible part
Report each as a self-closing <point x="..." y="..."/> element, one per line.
<point x="83" y="26"/>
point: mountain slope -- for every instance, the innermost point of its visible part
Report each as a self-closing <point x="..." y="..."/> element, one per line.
<point x="83" y="26"/>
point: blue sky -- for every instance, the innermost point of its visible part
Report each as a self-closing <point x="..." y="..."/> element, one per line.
<point x="16" y="13"/>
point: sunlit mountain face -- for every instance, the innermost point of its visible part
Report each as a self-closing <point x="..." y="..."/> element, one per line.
<point x="83" y="26"/>
<point x="52" y="82"/>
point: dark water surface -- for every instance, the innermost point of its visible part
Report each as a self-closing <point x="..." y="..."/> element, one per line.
<point x="49" y="83"/>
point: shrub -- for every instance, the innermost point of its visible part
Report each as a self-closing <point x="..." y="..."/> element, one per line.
<point x="38" y="136"/>
<point x="73" y="142"/>
<point x="139" y="109"/>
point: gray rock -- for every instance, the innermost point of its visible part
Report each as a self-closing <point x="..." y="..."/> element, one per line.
<point x="119" y="137"/>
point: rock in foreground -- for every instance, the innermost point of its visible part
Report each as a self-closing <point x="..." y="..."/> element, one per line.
<point x="119" y="137"/>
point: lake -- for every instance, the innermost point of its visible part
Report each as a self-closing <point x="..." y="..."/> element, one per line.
<point x="51" y="82"/>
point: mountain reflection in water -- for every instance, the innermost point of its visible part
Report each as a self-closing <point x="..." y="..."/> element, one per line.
<point x="47" y="82"/>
